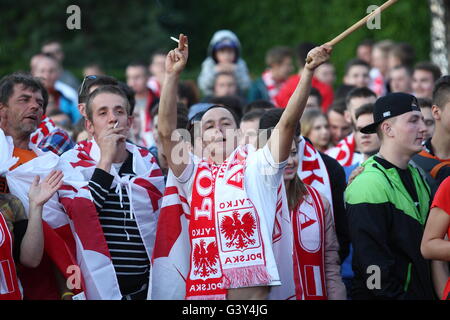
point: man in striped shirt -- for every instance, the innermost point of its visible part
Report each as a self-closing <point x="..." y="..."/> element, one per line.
<point x="107" y="111"/>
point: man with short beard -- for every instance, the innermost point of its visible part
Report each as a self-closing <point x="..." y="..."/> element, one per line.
<point x="23" y="101"/>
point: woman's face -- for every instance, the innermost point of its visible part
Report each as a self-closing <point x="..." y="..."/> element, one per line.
<point x="292" y="165"/>
<point x="320" y="133"/>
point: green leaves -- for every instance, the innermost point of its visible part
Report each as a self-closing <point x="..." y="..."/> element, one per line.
<point x="117" y="32"/>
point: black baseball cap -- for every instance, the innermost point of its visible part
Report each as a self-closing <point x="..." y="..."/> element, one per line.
<point x="389" y="106"/>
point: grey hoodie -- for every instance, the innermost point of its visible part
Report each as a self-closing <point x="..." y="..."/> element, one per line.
<point x="208" y="73"/>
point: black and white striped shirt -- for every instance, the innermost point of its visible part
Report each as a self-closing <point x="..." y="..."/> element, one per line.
<point x="122" y="235"/>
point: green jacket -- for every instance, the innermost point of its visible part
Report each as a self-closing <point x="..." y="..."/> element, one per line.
<point x="386" y="229"/>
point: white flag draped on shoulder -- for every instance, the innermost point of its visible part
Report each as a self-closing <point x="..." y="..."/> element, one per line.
<point x="145" y="191"/>
<point x="171" y="256"/>
<point x="59" y="244"/>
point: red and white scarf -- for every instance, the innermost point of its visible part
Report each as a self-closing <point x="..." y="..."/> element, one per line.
<point x="59" y="242"/>
<point x="227" y="250"/>
<point x="299" y="249"/>
<point x="146" y="121"/>
<point x="154" y="85"/>
<point x="312" y="170"/>
<point x="145" y="192"/>
<point x="271" y="85"/>
<point x="173" y="257"/>
<point x="44" y="129"/>
<point x="9" y="284"/>
<point x="308" y="222"/>
<point x="345" y="153"/>
<point x="377" y="82"/>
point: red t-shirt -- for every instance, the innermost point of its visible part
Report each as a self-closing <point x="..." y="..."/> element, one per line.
<point x="442" y="198"/>
<point x="286" y="91"/>
<point x="442" y="201"/>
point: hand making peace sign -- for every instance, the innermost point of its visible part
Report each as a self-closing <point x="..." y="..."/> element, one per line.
<point x="176" y="59"/>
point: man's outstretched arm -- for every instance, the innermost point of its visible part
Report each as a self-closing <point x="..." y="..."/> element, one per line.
<point x="281" y="139"/>
<point x="167" y="114"/>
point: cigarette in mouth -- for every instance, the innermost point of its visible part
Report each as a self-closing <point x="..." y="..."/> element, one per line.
<point x="115" y="126"/>
<point x="176" y="40"/>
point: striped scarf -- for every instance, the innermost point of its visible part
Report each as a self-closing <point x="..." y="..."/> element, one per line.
<point x="271" y="85"/>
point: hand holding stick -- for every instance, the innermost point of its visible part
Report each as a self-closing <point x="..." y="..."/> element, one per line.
<point x="358" y="25"/>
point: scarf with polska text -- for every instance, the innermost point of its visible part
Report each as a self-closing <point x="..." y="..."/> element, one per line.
<point x="345" y="152"/>
<point x="227" y="250"/>
<point x="9" y="284"/>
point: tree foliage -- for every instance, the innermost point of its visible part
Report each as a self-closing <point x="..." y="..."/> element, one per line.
<point x="263" y="24"/>
<point x="117" y="32"/>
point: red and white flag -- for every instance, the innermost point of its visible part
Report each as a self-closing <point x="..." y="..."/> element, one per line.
<point x="45" y="128"/>
<point x="145" y="192"/>
<point x="345" y="153"/>
<point x="59" y="243"/>
<point x="171" y="255"/>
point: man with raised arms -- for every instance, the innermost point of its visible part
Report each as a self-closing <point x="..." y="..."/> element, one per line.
<point x="232" y="191"/>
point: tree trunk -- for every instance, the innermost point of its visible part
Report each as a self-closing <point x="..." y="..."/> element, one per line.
<point x="440" y="35"/>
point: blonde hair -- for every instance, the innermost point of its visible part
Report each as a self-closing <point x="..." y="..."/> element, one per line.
<point x="308" y="119"/>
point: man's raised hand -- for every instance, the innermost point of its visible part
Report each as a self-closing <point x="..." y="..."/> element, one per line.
<point x="317" y="56"/>
<point x="176" y="59"/>
<point x="41" y="192"/>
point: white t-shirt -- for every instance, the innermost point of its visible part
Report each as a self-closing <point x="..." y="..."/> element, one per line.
<point x="262" y="179"/>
